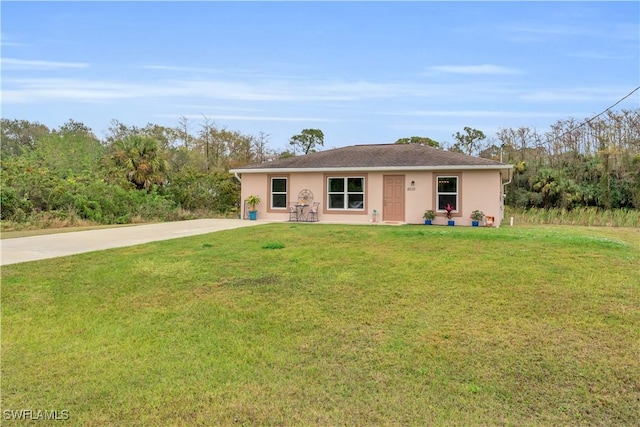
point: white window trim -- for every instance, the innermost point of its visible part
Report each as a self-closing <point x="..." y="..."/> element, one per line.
<point x="445" y="193"/>
<point x="272" y="193"/>
<point x="346" y="193"/>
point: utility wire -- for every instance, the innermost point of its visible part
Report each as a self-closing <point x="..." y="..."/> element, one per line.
<point x="598" y="115"/>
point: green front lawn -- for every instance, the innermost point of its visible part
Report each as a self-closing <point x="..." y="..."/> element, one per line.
<point x="317" y="324"/>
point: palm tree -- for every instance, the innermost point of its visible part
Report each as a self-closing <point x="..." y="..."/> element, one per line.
<point x="141" y="158"/>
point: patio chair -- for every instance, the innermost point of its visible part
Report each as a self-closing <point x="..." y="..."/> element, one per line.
<point x="312" y="215"/>
<point x="293" y="211"/>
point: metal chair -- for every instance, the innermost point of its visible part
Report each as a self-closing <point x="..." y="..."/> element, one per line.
<point x="293" y="211"/>
<point x="312" y="215"/>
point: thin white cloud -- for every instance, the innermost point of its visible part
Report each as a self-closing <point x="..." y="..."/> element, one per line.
<point x="203" y="92"/>
<point x="244" y="91"/>
<point x="549" y="30"/>
<point x="599" y="55"/>
<point x="606" y="30"/>
<point x="27" y="64"/>
<point x="363" y="89"/>
<point x="173" y="68"/>
<point x="564" y="95"/>
<point x="472" y="113"/>
<point x="487" y="69"/>
<point x="253" y="73"/>
<point x="5" y="43"/>
<point x="48" y="89"/>
<point x="208" y="107"/>
<point x="292" y="90"/>
<point x="251" y="118"/>
<point x="429" y="127"/>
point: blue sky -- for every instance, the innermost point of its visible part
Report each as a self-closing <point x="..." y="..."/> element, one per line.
<point x="362" y="72"/>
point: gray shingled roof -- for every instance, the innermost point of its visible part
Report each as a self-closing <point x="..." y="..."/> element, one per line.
<point x="378" y="156"/>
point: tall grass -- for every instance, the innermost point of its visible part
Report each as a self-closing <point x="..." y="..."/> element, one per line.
<point x="586" y="216"/>
<point x="70" y="218"/>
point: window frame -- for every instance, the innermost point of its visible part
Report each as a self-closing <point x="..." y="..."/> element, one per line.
<point x="271" y="193"/>
<point x="439" y="193"/>
<point x="346" y="193"/>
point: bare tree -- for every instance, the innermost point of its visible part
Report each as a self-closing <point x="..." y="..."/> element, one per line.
<point x="183" y="129"/>
<point x="205" y="136"/>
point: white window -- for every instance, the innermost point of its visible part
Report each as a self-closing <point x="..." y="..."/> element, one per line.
<point x="345" y="193"/>
<point x="278" y="193"/>
<point x="447" y="193"/>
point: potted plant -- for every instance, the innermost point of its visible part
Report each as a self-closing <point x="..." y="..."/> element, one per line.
<point x="476" y="217"/>
<point x="449" y="209"/>
<point x="252" y="201"/>
<point x="429" y="216"/>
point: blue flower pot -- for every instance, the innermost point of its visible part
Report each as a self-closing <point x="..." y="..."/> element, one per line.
<point x="451" y="223"/>
<point x="427" y="222"/>
<point x="475" y="223"/>
<point x="253" y="215"/>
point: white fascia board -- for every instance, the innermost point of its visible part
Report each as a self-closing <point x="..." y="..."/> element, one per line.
<point x="374" y="169"/>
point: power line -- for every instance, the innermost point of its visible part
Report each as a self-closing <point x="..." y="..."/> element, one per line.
<point x="598" y="115"/>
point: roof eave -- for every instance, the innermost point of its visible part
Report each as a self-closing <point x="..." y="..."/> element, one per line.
<point x="374" y="169"/>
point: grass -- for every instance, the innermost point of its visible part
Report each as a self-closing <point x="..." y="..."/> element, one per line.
<point x="42" y="231"/>
<point x="65" y="221"/>
<point x="339" y="325"/>
<point x="585" y="216"/>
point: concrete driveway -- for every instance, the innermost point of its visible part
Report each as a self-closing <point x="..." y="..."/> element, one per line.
<point x="56" y="245"/>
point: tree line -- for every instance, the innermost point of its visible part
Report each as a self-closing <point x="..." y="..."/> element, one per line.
<point x="593" y="163"/>
<point x="574" y="164"/>
<point x="164" y="173"/>
<point x="134" y="173"/>
<point x="131" y="174"/>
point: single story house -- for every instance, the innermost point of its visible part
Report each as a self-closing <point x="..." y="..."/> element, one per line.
<point x="386" y="183"/>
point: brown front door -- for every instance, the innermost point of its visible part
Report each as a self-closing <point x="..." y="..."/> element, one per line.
<point x="393" y="207"/>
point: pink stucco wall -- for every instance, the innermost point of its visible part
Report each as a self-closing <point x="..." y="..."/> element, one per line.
<point x="481" y="189"/>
